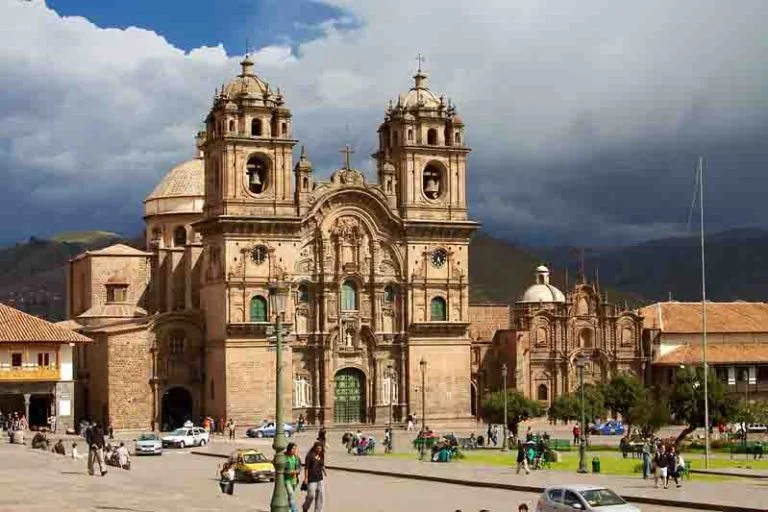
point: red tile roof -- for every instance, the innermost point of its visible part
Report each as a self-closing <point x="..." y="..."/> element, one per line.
<point x="19" y="327"/>
<point x="720" y="353"/>
<point x="722" y="317"/>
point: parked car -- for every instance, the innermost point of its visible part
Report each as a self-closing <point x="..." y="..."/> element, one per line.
<point x="183" y="437"/>
<point x="148" y="444"/>
<point x="582" y="497"/>
<point x="253" y="466"/>
<point x="268" y="430"/>
<point x="609" y="428"/>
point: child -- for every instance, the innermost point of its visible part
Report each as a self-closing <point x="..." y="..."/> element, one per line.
<point x="75" y="454"/>
<point x="227" y="475"/>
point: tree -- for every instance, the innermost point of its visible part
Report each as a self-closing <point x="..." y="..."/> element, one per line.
<point x="650" y="413"/>
<point x="594" y="402"/>
<point x="519" y="408"/>
<point x="623" y="393"/>
<point x="686" y="400"/>
<point x="565" y="408"/>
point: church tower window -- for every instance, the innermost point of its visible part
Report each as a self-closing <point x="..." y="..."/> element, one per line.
<point x="256" y="127"/>
<point x="257" y="172"/>
<point x="410" y="134"/>
<point x="231" y="125"/>
<point x="437" y="310"/>
<point x="283" y="128"/>
<point x="348" y="296"/>
<point x="258" y="309"/>
<point x="432" y="181"/>
<point x="432" y="137"/>
<point x="303" y="293"/>
<point x="542" y="393"/>
<point x="117" y="293"/>
<point x="176" y="343"/>
<point x="180" y="237"/>
<point x="389" y="294"/>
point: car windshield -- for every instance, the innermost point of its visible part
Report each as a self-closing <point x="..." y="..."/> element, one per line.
<point x="148" y="437"/>
<point x="179" y="432"/>
<point x="254" y="458"/>
<point x="601" y="498"/>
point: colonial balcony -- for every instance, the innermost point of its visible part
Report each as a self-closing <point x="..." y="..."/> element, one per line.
<point x="38" y="373"/>
<point x="255" y="330"/>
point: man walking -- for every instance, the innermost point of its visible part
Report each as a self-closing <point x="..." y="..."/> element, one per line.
<point x="646" y="459"/>
<point x="94" y="436"/>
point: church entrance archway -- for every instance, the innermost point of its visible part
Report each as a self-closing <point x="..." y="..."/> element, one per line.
<point x="177" y="408"/>
<point x="349" y="396"/>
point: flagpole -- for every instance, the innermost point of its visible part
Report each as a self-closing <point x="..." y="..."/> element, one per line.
<point x="704" y="315"/>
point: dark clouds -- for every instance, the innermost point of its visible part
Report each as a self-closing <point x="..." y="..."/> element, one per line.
<point x="586" y="118"/>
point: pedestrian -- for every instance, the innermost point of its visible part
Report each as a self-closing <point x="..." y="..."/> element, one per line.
<point x="111" y="428"/>
<point x="671" y="465"/>
<point x="292" y="471"/>
<point x="314" y="471"/>
<point x="123" y="456"/>
<point x="59" y="448"/>
<point x="227" y="478"/>
<point x="679" y="468"/>
<point x="522" y="459"/>
<point x="231" y="429"/>
<point x="52" y="423"/>
<point x="95" y="440"/>
<point x="301" y="423"/>
<point x="221" y="426"/>
<point x="387" y="441"/>
<point x="321" y="436"/>
<point x="75" y="454"/>
<point x="576" y="434"/>
<point x="646" y="451"/>
<point x="659" y="462"/>
<point x="410" y="422"/>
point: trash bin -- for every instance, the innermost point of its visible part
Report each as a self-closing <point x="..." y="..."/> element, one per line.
<point x="596" y="465"/>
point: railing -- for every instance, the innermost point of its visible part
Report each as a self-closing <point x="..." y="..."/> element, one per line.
<point x="34" y="373"/>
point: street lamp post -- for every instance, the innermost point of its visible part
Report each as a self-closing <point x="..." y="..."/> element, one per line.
<point x="423" y="367"/>
<point x="278" y="292"/>
<point x="582" y="442"/>
<point x="504" y="380"/>
<point x="391" y="448"/>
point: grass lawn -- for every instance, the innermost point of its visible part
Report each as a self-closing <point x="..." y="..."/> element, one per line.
<point x="610" y="463"/>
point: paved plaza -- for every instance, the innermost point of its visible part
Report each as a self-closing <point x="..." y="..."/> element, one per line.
<point x="180" y="480"/>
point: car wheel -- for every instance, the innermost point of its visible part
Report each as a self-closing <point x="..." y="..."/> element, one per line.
<point x="182" y="445"/>
<point x="202" y="442"/>
<point x="259" y="434"/>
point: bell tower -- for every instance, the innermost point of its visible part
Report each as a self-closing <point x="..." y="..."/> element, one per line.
<point x="422" y="136"/>
<point x="248" y="159"/>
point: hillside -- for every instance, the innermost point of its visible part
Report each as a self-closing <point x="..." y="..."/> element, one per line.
<point x="737" y="266"/>
<point x="33" y="274"/>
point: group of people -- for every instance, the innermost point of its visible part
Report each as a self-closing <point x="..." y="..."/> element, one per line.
<point x="359" y="443"/>
<point x="664" y="462"/>
<point x="14" y="422"/>
<point x="311" y="475"/>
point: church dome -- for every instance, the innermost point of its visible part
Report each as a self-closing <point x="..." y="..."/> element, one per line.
<point x="541" y="290"/>
<point x="545" y="293"/>
<point x="180" y="191"/>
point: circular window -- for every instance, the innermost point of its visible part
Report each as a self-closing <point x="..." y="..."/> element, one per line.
<point x="439" y="257"/>
<point x="259" y="254"/>
<point x="257" y="174"/>
<point x="433" y="182"/>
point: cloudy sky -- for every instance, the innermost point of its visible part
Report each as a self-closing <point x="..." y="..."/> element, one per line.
<point x="586" y="118"/>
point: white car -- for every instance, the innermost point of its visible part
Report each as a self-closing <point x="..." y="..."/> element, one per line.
<point x="186" y="436"/>
<point x="582" y="497"/>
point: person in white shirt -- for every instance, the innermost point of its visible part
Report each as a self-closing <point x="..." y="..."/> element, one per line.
<point x="123" y="457"/>
<point x="75" y="454"/>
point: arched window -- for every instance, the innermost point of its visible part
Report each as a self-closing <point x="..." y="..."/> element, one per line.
<point x="176" y="343"/>
<point x="542" y="393"/>
<point x="231" y="125"/>
<point x="541" y="336"/>
<point x="348" y="296"/>
<point x="305" y="183"/>
<point x="458" y="138"/>
<point x="303" y="293"/>
<point x="410" y="134"/>
<point x="257" y="173"/>
<point x="432" y="137"/>
<point x="389" y="294"/>
<point x="437" y="310"/>
<point x="389" y="389"/>
<point x="283" y="128"/>
<point x="585" y="338"/>
<point x="258" y="309"/>
<point x="302" y="391"/>
<point x="180" y="237"/>
<point x="256" y="127"/>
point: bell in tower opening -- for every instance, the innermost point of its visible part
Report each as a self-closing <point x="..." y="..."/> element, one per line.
<point x="256" y="171"/>
<point x="432" y="182"/>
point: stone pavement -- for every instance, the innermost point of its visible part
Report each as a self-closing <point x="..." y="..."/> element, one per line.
<point x="33" y="481"/>
<point x="741" y="496"/>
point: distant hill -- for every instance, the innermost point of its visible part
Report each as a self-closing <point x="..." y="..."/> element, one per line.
<point x="33" y="274"/>
<point x="737" y="266"/>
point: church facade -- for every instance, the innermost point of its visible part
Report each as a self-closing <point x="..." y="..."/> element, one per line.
<point x="553" y="330"/>
<point x="378" y="276"/>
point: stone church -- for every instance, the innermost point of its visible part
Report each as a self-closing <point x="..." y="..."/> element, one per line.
<point x="551" y="330"/>
<point x="378" y="274"/>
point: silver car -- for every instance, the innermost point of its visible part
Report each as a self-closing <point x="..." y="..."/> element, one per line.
<point x="582" y="497"/>
<point x="149" y="444"/>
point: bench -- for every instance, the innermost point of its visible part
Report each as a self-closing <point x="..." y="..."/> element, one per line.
<point x="560" y="445"/>
<point x="749" y="448"/>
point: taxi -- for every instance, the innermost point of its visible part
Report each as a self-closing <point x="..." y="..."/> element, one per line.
<point x="253" y="466"/>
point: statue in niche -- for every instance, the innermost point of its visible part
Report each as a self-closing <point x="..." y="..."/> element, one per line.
<point x="348" y="339"/>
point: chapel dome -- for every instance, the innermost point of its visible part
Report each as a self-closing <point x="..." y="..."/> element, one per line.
<point x="420" y="96"/>
<point x="541" y="291"/>
<point x="545" y="293"/>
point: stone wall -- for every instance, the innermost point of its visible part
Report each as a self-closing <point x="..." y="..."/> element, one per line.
<point x="130" y="369"/>
<point x="448" y="385"/>
<point x="486" y="319"/>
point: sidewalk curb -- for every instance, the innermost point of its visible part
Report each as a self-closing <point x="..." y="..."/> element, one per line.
<point x="520" y="488"/>
<point x="725" y="473"/>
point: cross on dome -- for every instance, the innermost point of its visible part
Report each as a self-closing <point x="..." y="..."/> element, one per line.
<point x="347" y="150"/>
